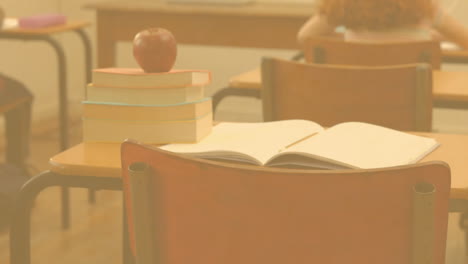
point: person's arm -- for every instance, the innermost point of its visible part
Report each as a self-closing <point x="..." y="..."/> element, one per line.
<point x="450" y="28"/>
<point x="315" y="26"/>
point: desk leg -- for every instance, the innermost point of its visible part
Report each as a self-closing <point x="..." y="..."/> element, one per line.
<point x="88" y="67"/>
<point x="63" y="97"/>
<point x="63" y="118"/>
<point x="20" y="247"/>
<point x="106" y="42"/>
<point x="127" y="255"/>
<point x="88" y="53"/>
<point x="65" y="202"/>
<point x="461" y="206"/>
<point x="464" y="226"/>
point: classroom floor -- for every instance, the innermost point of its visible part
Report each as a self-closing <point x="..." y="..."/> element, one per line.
<point x="95" y="234"/>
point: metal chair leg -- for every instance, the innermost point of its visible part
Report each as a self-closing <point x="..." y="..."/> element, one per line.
<point x="463" y="223"/>
<point x="88" y="67"/>
<point x="20" y="244"/>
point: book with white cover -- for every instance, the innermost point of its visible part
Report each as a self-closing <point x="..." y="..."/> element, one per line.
<point x="301" y="143"/>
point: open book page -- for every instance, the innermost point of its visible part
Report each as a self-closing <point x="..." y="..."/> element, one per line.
<point x="248" y="142"/>
<point x="361" y="145"/>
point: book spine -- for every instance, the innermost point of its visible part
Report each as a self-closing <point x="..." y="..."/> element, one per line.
<point x="423" y="224"/>
<point x="140" y="193"/>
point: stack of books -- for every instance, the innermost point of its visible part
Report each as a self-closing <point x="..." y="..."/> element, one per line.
<point x="154" y="108"/>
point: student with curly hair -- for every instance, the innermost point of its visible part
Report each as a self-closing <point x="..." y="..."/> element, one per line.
<point x="385" y="21"/>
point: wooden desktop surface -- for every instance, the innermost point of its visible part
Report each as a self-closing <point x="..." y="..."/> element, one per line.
<point x="301" y="10"/>
<point x="103" y="160"/>
<point x="448" y="86"/>
<point x="44" y="31"/>
<point x="253" y="25"/>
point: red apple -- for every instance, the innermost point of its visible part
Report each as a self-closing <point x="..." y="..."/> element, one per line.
<point x="155" y="49"/>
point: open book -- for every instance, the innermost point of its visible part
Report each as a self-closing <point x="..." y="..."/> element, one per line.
<point x="301" y="143"/>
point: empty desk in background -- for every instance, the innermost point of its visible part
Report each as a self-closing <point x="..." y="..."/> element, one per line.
<point x="253" y="25"/>
<point x="46" y="34"/>
<point x="450" y="88"/>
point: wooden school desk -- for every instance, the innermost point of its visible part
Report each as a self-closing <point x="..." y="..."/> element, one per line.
<point x="253" y="25"/>
<point x="46" y="34"/>
<point x="450" y="88"/>
<point x="97" y="165"/>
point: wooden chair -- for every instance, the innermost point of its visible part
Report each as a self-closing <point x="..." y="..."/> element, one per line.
<point x="333" y="50"/>
<point x="211" y="212"/>
<point x="398" y="97"/>
<point x="15" y="106"/>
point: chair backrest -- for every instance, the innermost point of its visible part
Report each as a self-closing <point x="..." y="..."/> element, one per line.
<point x="398" y="97"/>
<point x="332" y="50"/>
<point x="15" y="105"/>
<point x="206" y="212"/>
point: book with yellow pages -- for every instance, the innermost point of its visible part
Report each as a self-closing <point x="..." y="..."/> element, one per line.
<point x="301" y="143"/>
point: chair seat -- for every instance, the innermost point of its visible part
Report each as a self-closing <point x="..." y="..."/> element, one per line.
<point x="12" y="178"/>
<point x="12" y="94"/>
<point x="15" y="105"/>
